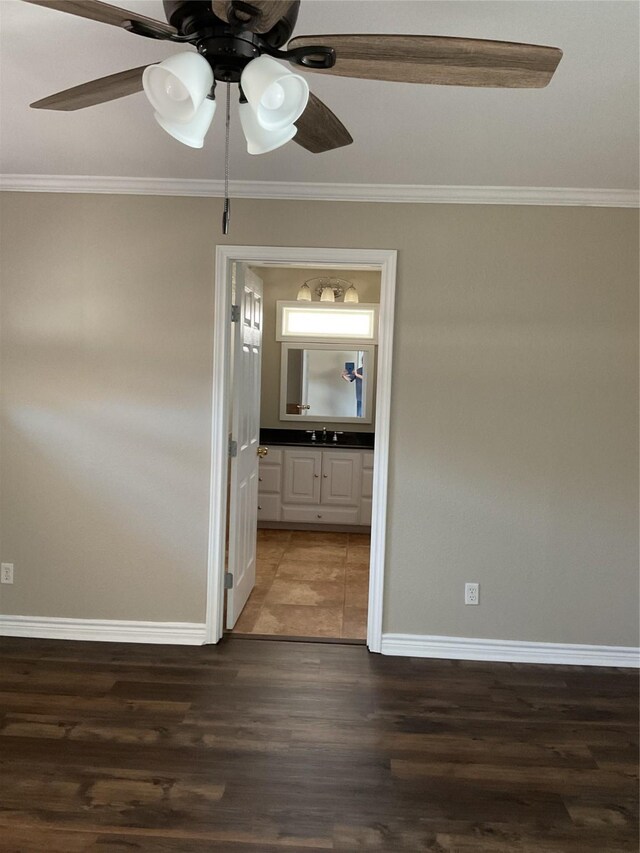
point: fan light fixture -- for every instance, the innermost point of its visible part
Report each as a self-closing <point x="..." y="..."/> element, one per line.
<point x="177" y="87"/>
<point x="277" y="96"/>
<point x="259" y="140"/>
<point x="191" y="133"/>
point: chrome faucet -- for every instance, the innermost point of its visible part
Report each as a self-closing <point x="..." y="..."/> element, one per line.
<point x="336" y="433"/>
<point x="313" y="433"/>
<point x="324" y="433"/>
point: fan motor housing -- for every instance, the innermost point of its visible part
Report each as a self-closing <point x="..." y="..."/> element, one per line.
<point x="191" y="16"/>
<point x="227" y="47"/>
<point x="228" y="56"/>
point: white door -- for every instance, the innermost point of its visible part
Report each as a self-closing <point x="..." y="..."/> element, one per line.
<point x="245" y="431"/>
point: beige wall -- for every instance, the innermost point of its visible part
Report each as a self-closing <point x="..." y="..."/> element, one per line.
<point x="514" y="425"/>
<point x="283" y="284"/>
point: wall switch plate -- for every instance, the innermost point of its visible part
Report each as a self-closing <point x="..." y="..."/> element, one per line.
<point x="6" y="573"/>
<point x="472" y="593"/>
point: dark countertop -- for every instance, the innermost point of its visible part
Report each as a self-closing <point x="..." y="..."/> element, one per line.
<point x="300" y="438"/>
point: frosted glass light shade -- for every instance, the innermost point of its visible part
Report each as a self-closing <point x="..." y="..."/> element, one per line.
<point x="327" y="295"/>
<point x="191" y="133"/>
<point x="277" y="96"/>
<point x="351" y="294"/>
<point x="259" y="140"/>
<point x="304" y="294"/>
<point x="177" y="87"/>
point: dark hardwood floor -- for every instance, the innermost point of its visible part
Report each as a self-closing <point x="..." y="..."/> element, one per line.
<point x="299" y="747"/>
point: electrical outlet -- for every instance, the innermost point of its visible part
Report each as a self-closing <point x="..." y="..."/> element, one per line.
<point x="472" y="593"/>
<point x="6" y="573"/>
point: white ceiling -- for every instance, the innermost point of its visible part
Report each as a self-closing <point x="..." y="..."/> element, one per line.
<point x="581" y="131"/>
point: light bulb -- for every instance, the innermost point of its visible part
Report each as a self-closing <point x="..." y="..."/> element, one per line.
<point x="273" y="97"/>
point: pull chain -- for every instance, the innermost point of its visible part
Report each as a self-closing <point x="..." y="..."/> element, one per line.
<point x="226" y="215"/>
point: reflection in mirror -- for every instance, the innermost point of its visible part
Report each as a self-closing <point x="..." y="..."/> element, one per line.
<point x="325" y="382"/>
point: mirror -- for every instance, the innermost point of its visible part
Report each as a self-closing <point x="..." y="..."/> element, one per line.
<point x="326" y="382"/>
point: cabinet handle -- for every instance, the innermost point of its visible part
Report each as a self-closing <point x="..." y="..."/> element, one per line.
<point x="316" y="476"/>
<point x="259" y="479"/>
<point x="325" y="476"/>
<point x="259" y="507"/>
<point x="319" y="516"/>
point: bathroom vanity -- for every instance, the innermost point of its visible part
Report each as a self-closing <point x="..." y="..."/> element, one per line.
<point x="322" y="483"/>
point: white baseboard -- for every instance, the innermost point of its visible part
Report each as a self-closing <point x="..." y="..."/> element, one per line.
<point x="514" y="651"/>
<point x="106" y="630"/>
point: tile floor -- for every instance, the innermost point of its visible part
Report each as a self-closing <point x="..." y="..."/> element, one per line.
<point x="309" y="584"/>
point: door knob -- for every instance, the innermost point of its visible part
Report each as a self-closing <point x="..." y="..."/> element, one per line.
<point x="262" y="452"/>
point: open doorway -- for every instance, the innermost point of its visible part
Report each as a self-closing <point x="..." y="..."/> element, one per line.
<point x="315" y="400"/>
<point x="303" y="387"/>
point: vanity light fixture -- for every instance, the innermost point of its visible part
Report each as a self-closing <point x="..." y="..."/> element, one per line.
<point x="328" y="289"/>
<point x="304" y="294"/>
<point x="351" y="294"/>
<point x="327" y="294"/>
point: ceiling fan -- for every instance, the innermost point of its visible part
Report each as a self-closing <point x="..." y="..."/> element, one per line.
<point x="240" y="41"/>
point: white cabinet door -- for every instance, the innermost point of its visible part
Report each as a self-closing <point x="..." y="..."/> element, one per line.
<point x="341" y="472"/>
<point x="302" y="469"/>
<point x="269" y="479"/>
<point x="269" y="508"/>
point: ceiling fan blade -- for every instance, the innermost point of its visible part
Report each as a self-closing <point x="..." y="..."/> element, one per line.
<point x="439" y="60"/>
<point x="268" y="12"/>
<point x="104" y="13"/>
<point x="319" y="129"/>
<point x="96" y="92"/>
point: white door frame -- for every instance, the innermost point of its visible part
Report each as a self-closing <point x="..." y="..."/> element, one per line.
<point x="382" y="260"/>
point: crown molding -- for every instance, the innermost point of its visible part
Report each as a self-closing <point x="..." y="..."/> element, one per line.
<point x="393" y="193"/>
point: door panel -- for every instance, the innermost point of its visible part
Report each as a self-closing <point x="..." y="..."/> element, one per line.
<point x="269" y="507"/>
<point x="243" y="514"/>
<point x="302" y="470"/>
<point x="341" y="478"/>
<point x="270" y="476"/>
